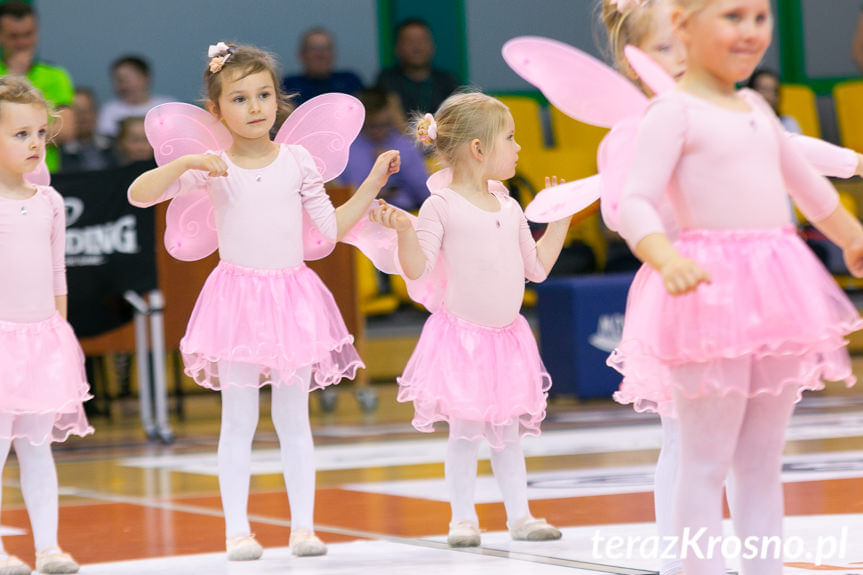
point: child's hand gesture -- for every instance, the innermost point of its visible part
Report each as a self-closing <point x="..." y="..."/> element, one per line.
<point x="210" y="163"/>
<point x="389" y="216"/>
<point x="386" y="165"/>
<point x="853" y="256"/>
<point x="682" y="275"/>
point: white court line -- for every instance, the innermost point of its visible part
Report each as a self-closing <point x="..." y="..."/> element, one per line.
<point x="610" y="480"/>
<point x="383" y="453"/>
<point x="429" y="543"/>
<point x="575" y="551"/>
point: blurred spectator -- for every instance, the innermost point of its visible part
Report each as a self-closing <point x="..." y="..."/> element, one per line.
<point x="131" y="144"/>
<point x="857" y="44"/>
<point x="89" y="150"/>
<point x="406" y="189"/>
<point x="19" y="38"/>
<point x="419" y="86"/>
<point x="317" y="54"/>
<point x="130" y="78"/>
<point x="766" y="83"/>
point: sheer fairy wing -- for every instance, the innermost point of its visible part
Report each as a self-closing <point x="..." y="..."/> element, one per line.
<point x="190" y="231"/>
<point x="650" y="72"/>
<point x="40" y="176"/>
<point x="326" y="126"/>
<point x="581" y="86"/>
<point x="558" y="202"/>
<point x="175" y="130"/>
<point x="613" y="159"/>
<point x="615" y="156"/>
<point x="315" y="245"/>
<point x="377" y="242"/>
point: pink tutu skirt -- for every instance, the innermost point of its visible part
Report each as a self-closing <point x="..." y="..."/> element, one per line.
<point x="42" y="381"/>
<point x="483" y="381"/>
<point x="280" y="320"/>
<point x="770" y="302"/>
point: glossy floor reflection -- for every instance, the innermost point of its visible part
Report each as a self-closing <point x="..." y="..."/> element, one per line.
<point x="130" y="507"/>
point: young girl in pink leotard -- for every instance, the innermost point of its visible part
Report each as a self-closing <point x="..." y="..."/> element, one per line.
<point x="726" y="326"/>
<point x="42" y="381"/>
<point x="262" y="317"/>
<point x="476" y="365"/>
<point x="647" y="26"/>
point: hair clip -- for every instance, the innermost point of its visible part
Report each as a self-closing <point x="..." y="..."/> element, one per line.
<point x="219" y="55"/>
<point x="427" y="129"/>
<point x="622" y="5"/>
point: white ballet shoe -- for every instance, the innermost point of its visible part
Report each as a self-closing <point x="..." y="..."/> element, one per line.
<point x="54" y="560"/>
<point x="529" y="529"/>
<point x="304" y="543"/>
<point x="11" y="565"/>
<point x="463" y="534"/>
<point x="243" y="547"/>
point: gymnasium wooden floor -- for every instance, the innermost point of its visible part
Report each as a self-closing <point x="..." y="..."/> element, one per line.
<point x="129" y="506"/>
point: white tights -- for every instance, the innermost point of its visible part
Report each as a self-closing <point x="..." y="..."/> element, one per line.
<point x="290" y="413"/>
<point x="507" y="464"/>
<point x="743" y="436"/>
<point x="38" y="477"/>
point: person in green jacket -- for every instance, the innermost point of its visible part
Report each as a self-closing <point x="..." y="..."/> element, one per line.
<point x="19" y="36"/>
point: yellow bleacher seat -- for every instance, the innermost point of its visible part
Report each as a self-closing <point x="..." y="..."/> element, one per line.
<point x="372" y="302"/>
<point x="798" y="101"/>
<point x="848" y="98"/>
<point x="572" y="134"/>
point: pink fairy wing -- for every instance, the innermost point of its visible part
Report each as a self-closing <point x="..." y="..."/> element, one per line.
<point x="326" y="126"/>
<point x="40" y="176"/>
<point x="190" y="233"/>
<point x="614" y="158"/>
<point x="557" y="202"/>
<point x="578" y="84"/>
<point x="377" y="242"/>
<point x="175" y="130"/>
<point x="315" y="245"/>
<point x="429" y="289"/>
<point x="651" y="73"/>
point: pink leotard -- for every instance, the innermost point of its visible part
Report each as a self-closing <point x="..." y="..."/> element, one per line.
<point x="258" y="211"/>
<point x="32" y="255"/>
<point x="683" y="143"/>
<point x="487" y="255"/>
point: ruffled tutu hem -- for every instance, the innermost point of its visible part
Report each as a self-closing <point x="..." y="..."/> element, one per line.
<point x="646" y="396"/>
<point x="42" y="381"/>
<point x="771" y="317"/>
<point x="482" y="381"/>
<point x="281" y="320"/>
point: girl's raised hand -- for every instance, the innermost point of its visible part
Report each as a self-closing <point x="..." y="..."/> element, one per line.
<point x="853" y="256"/>
<point x="682" y="275"/>
<point x="210" y="163"/>
<point x="389" y="216"/>
<point x="386" y="165"/>
<point x="552" y="181"/>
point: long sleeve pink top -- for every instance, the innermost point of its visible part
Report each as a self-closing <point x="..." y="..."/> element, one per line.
<point x="32" y="255"/>
<point x="487" y="255"/>
<point x="827" y="159"/>
<point x="719" y="169"/>
<point x="258" y="212"/>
